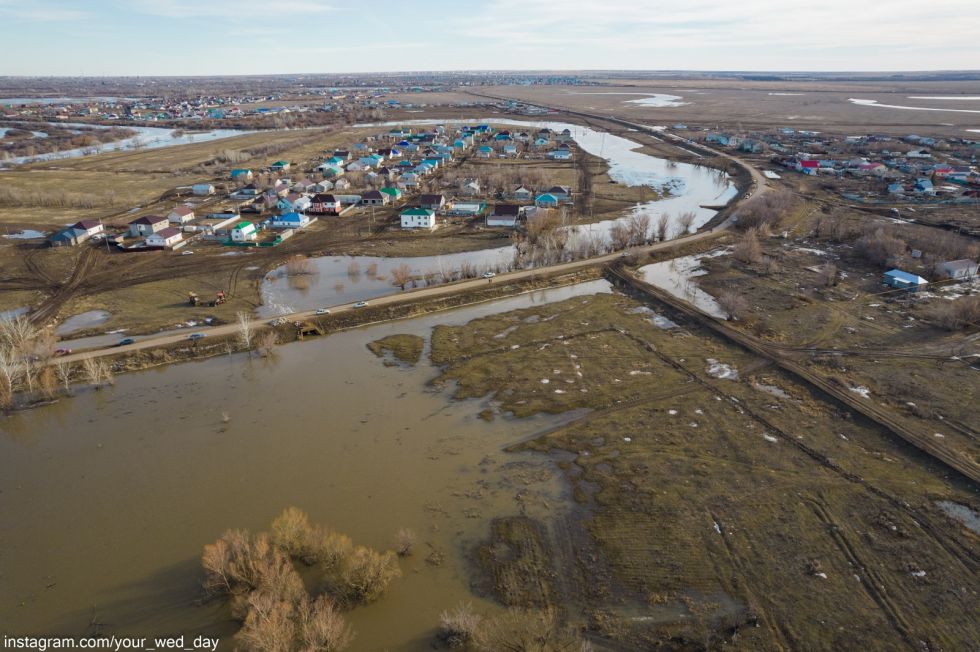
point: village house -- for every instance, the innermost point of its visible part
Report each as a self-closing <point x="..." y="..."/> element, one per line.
<point x="202" y="189"/>
<point x="561" y="155"/>
<point x="394" y="194"/>
<point x="325" y="204"/>
<point x="470" y="187"/>
<point x="432" y="202"/>
<point x="279" y="166"/>
<point x="241" y="174"/>
<point x="505" y="215"/>
<point x="244" y="232"/>
<point x="465" y="209"/>
<point x="561" y="193"/>
<point x="76" y="234"/>
<point x="546" y="200"/>
<point x="418" y="218"/>
<point x="375" y="198"/>
<point x="898" y="279"/>
<point x="181" y="215"/>
<point x="246" y="192"/>
<point x="167" y="237"/>
<point x="960" y="270"/>
<point x="148" y="224"/>
<point x="522" y="194"/>
<point x="291" y="220"/>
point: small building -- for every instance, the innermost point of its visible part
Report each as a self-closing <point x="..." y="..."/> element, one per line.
<point x="522" y="194"/>
<point x="484" y="151"/>
<point x="181" y="215"/>
<point x="244" y="232"/>
<point x="900" y="280"/>
<point x="561" y="193"/>
<point x="375" y="198"/>
<point x="418" y="218"/>
<point x="241" y="174"/>
<point x="959" y="270"/>
<point x="561" y="155"/>
<point x="505" y="215"/>
<point x="432" y="202"/>
<point x="324" y="204"/>
<point x="394" y="194"/>
<point x="290" y="221"/>
<point x="466" y="209"/>
<point x="89" y="227"/>
<point x="247" y="192"/>
<point x="279" y="166"/>
<point x="202" y="189"/>
<point x="546" y="200"/>
<point x="148" y="224"/>
<point x="167" y="237"/>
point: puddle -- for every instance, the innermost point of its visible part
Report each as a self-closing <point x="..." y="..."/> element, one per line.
<point x="961" y="513"/>
<point x="676" y="277"/>
<point x="26" y="234"/>
<point x="908" y="108"/>
<point x="82" y="321"/>
<point x="13" y="313"/>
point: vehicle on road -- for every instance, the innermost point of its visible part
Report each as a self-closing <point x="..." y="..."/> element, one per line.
<point x="186" y="253"/>
<point x="60" y="352"/>
<point x="196" y="336"/>
<point x="278" y="321"/>
<point x="322" y="311"/>
<point x="489" y="274"/>
<point x="360" y="304"/>
<point x="126" y="342"/>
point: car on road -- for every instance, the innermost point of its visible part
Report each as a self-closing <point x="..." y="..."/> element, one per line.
<point x="279" y="321"/>
<point x="186" y="253"/>
<point x="322" y="311"/>
<point x="126" y="342"/>
<point x="196" y="336"/>
<point x="60" y="352"/>
<point x="360" y="304"/>
<point x="489" y="274"/>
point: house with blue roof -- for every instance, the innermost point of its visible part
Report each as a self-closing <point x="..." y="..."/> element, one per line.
<point x="900" y="280"/>
<point x="484" y="151"/>
<point x="546" y="200"/>
<point x="291" y="220"/>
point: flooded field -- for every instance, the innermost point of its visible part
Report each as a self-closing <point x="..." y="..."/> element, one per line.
<point x="82" y="321"/>
<point x="677" y="277"/>
<point x="107" y="498"/>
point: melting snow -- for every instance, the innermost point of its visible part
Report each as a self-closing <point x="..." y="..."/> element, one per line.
<point x="720" y="370"/>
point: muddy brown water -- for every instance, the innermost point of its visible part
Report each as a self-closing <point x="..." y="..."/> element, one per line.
<point x="106" y="499"/>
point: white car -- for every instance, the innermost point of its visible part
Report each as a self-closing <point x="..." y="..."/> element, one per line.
<point x="322" y="311"/>
<point x="489" y="274"/>
<point x="187" y="253"/>
<point x="361" y="304"/>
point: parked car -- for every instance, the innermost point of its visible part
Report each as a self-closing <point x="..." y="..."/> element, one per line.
<point x="60" y="352"/>
<point x="126" y="342"/>
<point x="196" y="336"/>
<point x="186" y="253"/>
<point x="322" y="311"/>
<point x="360" y="304"/>
<point x="489" y="274"/>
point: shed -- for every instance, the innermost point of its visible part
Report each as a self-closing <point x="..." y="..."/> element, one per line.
<point x="898" y="279"/>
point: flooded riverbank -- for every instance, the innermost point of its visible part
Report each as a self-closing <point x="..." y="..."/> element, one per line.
<point x="106" y="499"/>
<point x="689" y="189"/>
<point x="677" y="275"/>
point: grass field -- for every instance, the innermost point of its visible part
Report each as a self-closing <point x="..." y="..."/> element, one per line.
<point x="712" y="510"/>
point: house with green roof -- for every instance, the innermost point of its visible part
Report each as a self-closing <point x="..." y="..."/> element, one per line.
<point x="244" y="232"/>
<point x="393" y="193"/>
<point x="418" y="218"/>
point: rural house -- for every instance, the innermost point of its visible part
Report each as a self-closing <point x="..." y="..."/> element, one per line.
<point x="181" y="215"/>
<point x="241" y="174"/>
<point x="279" y="166"/>
<point x="144" y="226"/>
<point x="290" y="221"/>
<point x="325" y="204"/>
<point x="505" y="215"/>
<point x="418" y="218"/>
<point x="202" y="189"/>
<point x="243" y="232"/>
<point x="546" y="200"/>
<point x="900" y="280"/>
<point x="167" y="237"/>
<point x="432" y="202"/>
<point x="958" y="269"/>
<point x="375" y="198"/>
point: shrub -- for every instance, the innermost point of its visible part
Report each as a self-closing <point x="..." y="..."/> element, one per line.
<point x="881" y="247"/>
<point x="748" y="249"/>
<point x="765" y="209"/>
<point x="457" y="626"/>
<point x="365" y="576"/>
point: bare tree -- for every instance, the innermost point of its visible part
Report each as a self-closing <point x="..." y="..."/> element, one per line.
<point x="65" y="373"/>
<point x="639" y="226"/>
<point x="685" y="221"/>
<point x="733" y="303"/>
<point x="619" y="236"/>
<point x="828" y="275"/>
<point x="748" y="249"/>
<point x="663" y="224"/>
<point x="246" y="330"/>
<point x="401" y="276"/>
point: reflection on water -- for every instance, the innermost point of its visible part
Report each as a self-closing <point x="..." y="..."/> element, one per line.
<point x="81" y="321"/>
<point x="106" y="499"/>
<point x="676" y="276"/>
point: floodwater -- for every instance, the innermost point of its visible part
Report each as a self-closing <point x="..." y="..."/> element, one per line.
<point x="81" y="321"/>
<point x="145" y="138"/>
<point x="660" y="100"/>
<point x="13" y="313"/>
<point x="26" y="234"/>
<point x="691" y="188"/>
<point x="909" y="108"/>
<point x="676" y="277"/>
<point x="36" y="134"/>
<point x="107" y="498"/>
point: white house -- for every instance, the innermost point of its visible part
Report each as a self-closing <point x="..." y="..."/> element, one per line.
<point x="243" y="232"/>
<point x="181" y="215"/>
<point x="167" y="237"/>
<point x="90" y="227"/>
<point x="418" y="218"/>
<point x="202" y="189"/>
<point x="290" y="221"/>
<point x="148" y="224"/>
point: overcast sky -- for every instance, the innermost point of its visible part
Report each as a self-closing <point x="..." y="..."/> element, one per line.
<point x="185" y="37"/>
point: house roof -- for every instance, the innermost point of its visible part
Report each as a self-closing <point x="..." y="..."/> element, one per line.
<point x="323" y="198"/>
<point x="86" y="224"/>
<point x="167" y="233"/>
<point x="372" y="194"/>
<point x="507" y="210"/>
<point x="279" y="164"/>
<point x="290" y="217"/>
<point x="906" y="277"/>
<point x="547" y="197"/>
<point x="391" y="191"/>
<point x="183" y="210"/>
<point x="418" y="211"/>
<point x="244" y="225"/>
<point x="150" y="219"/>
<point x="432" y="199"/>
